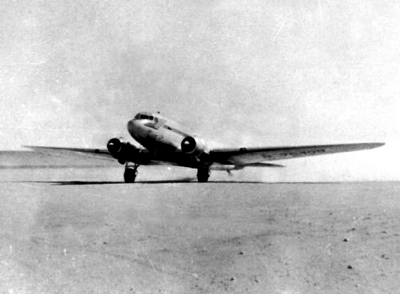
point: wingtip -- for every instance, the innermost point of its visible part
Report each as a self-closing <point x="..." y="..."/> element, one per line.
<point x="376" y="145"/>
<point x="37" y="148"/>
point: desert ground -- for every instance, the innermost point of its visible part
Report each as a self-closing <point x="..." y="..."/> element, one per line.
<point x="81" y="230"/>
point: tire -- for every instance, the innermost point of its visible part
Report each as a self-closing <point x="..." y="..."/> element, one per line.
<point x="203" y="175"/>
<point x="130" y="175"/>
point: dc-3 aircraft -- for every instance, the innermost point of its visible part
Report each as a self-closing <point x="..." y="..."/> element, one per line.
<point x="165" y="144"/>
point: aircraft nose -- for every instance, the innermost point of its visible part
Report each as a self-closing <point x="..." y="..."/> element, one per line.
<point x="132" y="125"/>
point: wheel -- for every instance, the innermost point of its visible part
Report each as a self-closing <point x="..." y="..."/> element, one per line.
<point x="130" y="175"/>
<point x="203" y="175"/>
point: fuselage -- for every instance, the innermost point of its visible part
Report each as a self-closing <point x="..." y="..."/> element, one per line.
<point x="167" y="142"/>
<point x="156" y="133"/>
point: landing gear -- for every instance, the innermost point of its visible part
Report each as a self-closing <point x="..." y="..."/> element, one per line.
<point x="130" y="173"/>
<point x="203" y="174"/>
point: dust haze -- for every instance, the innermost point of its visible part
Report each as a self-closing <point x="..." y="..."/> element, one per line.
<point x="238" y="73"/>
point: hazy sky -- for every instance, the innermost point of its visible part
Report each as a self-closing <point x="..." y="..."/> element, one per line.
<point x="254" y="73"/>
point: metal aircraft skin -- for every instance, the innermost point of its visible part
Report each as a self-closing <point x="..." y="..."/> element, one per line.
<point x="165" y="144"/>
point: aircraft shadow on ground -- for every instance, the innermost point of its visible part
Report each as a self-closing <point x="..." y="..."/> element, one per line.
<point x="183" y="180"/>
<point x="186" y="180"/>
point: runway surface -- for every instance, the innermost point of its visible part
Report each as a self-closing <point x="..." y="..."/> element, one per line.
<point x="83" y="231"/>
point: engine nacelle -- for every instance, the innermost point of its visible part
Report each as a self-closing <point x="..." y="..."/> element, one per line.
<point x="122" y="151"/>
<point x="193" y="146"/>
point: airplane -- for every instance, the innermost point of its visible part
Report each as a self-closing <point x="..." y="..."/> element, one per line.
<point x="166" y="144"/>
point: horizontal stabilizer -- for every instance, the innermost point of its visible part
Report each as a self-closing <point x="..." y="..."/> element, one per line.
<point x="261" y="164"/>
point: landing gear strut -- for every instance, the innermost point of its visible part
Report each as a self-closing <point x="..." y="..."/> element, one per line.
<point x="130" y="172"/>
<point x="203" y="174"/>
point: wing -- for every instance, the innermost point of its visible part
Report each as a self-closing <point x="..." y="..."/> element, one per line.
<point x="249" y="156"/>
<point x="102" y="154"/>
<point x="81" y="152"/>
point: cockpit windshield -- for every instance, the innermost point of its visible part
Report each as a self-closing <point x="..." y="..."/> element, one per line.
<point x="145" y="116"/>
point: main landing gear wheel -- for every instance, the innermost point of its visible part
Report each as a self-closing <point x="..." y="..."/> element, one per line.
<point x="203" y="175"/>
<point x="130" y="173"/>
